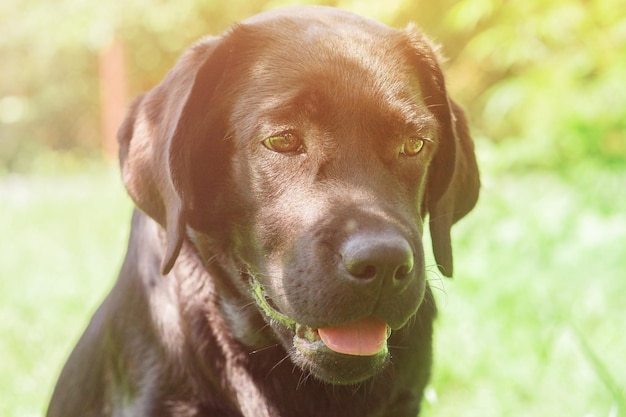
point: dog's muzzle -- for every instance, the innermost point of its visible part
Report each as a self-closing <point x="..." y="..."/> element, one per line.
<point x="344" y="354"/>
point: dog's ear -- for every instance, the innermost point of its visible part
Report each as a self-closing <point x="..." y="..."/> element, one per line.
<point x="453" y="179"/>
<point x="459" y="196"/>
<point x="157" y="136"/>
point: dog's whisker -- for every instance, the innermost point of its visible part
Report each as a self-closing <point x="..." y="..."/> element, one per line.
<point x="277" y="365"/>
<point x="247" y="305"/>
<point x="397" y="347"/>
<point x="263" y="349"/>
<point x="261" y="329"/>
<point x="304" y="376"/>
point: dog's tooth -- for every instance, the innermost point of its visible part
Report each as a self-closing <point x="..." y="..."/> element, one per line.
<point x="314" y="335"/>
<point x="300" y="330"/>
<point x="305" y="332"/>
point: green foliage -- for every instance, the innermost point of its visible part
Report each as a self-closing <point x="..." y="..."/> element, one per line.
<point x="547" y="75"/>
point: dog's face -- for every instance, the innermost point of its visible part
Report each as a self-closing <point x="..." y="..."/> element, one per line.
<point x="334" y="152"/>
<point x="305" y="149"/>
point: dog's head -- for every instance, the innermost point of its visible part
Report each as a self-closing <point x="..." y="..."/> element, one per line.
<point x="303" y="150"/>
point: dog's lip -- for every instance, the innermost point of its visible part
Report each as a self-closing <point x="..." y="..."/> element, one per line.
<point x="273" y="314"/>
<point x="310" y="353"/>
<point x="305" y="337"/>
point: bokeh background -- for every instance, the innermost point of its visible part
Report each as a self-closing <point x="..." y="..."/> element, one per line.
<point x="534" y="322"/>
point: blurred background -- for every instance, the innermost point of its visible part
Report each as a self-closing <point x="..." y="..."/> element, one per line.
<point x="534" y="322"/>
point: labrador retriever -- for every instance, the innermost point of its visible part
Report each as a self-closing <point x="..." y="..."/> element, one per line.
<point x="282" y="172"/>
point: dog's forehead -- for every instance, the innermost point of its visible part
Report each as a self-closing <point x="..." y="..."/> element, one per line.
<point x="318" y="57"/>
<point x="305" y="33"/>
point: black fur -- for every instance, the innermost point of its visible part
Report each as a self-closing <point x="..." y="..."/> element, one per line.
<point x="239" y="252"/>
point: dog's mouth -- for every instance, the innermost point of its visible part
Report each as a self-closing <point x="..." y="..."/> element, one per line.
<point x="344" y="354"/>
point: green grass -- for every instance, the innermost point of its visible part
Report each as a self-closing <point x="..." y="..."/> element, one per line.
<point x="533" y="323"/>
<point x="63" y="238"/>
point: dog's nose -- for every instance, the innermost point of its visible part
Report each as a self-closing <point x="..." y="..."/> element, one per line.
<point x="378" y="257"/>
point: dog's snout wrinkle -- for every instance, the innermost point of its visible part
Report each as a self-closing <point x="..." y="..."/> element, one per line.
<point x="386" y="259"/>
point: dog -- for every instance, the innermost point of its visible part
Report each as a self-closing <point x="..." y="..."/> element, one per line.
<point x="282" y="173"/>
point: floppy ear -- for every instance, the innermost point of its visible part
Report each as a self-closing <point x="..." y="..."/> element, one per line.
<point x="453" y="179"/>
<point x="460" y="195"/>
<point x="153" y="135"/>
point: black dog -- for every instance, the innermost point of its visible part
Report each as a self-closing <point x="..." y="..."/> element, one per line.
<point x="283" y="171"/>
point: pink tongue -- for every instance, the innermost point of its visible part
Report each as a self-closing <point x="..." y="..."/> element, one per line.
<point x="365" y="337"/>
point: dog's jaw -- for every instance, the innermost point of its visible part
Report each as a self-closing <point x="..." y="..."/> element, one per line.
<point x="309" y="352"/>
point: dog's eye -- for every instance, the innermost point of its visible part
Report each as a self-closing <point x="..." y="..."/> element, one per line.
<point x="412" y="146"/>
<point x="287" y="142"/>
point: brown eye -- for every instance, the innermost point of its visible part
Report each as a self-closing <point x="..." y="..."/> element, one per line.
<point x="286" y="142"/>
<point x="412" y="146"/>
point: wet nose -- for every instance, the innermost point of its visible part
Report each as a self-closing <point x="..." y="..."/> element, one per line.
<point x="378" y="257"/>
